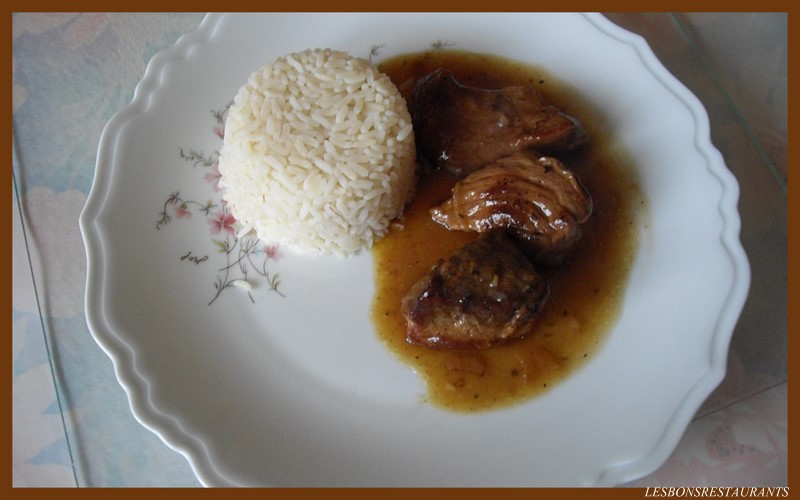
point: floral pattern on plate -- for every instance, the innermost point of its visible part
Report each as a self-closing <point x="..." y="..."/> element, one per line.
<point x="245" y="254"/>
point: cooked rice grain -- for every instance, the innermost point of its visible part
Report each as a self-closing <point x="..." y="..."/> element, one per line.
<point x="318" y="153"/>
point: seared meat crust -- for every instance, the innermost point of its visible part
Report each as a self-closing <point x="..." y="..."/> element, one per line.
<point x="461" y="129"/>
<point x="485" y="293"/>
<point x="536" y="198"/>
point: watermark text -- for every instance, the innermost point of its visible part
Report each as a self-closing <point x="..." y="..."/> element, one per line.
<point x="717" y="492"/>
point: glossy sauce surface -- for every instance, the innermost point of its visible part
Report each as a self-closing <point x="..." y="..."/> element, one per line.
<point x="585" y="293"/>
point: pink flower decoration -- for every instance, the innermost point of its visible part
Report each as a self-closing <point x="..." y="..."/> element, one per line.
<point x="273" y="252"/>
<point x="183" y="213"/>
<point x="220" y="132"/>
<point x="214" y="176"/>
<point x="222" y="221"/>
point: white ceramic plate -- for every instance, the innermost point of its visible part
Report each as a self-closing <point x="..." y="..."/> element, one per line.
<point x="289" y="385"/>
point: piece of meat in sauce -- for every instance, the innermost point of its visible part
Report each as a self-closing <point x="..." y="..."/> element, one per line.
<point x="485" y="293"/>
<point x="461" y="129"/>
<point x="536" y="198"/>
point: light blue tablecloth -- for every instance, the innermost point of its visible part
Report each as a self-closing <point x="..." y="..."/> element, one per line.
<point x="71" y="73"/>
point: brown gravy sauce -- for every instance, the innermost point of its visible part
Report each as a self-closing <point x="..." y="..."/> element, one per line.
<point x="585" y="294"/>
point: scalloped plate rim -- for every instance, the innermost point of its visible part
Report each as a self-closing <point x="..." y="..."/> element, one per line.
<point x="169" y="428"/>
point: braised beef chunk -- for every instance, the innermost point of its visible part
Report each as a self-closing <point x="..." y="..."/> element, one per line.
<point x="536" y="198"/>
<point x="485" y="293"/>
<point x="461" y="129"/>
<point x="528" y="206"/>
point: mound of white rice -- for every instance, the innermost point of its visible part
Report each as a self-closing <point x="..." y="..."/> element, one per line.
<point x="318" y="153"/>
